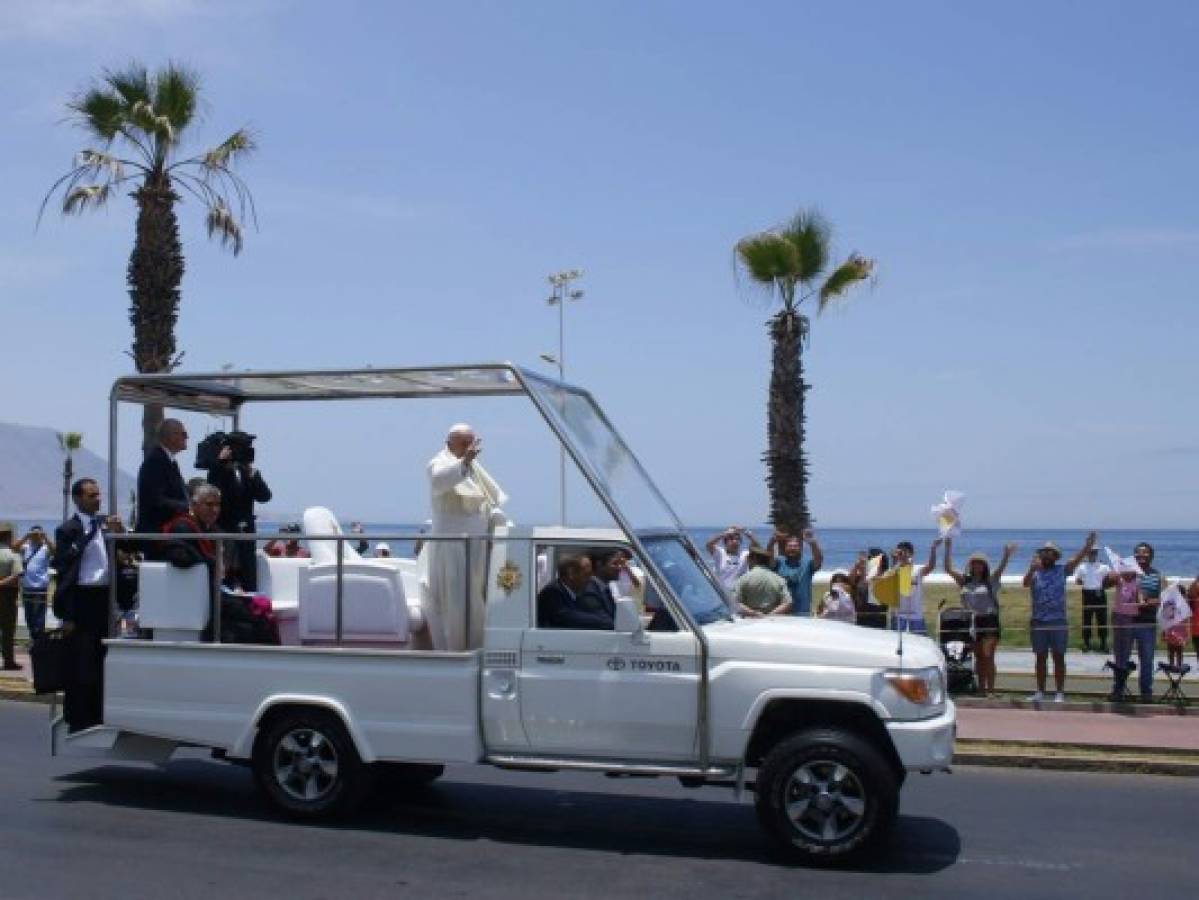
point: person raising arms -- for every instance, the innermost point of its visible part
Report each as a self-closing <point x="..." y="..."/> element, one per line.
<point x="980" y="589"/>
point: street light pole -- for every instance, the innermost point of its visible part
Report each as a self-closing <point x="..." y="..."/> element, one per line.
<point x="561" y="291"/>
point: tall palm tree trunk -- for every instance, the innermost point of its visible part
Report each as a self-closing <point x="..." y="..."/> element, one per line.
<point x="154" y="276"/>
<point x="786" y="462"/>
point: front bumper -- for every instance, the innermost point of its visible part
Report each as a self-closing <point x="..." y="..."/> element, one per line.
<point x="926" y="744"/>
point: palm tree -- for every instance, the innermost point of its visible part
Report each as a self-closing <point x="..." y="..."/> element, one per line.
<point x="68" y="443"/>
<point x="140" y="120"/>
<point x="792" y="264"/>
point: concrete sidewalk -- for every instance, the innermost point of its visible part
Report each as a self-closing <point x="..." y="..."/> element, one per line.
<point x="1078" y="729"/>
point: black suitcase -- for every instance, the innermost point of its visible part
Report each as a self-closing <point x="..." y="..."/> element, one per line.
<point x="50" y="655"/>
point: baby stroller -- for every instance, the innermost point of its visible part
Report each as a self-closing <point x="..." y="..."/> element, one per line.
<point x="955" y="633"/>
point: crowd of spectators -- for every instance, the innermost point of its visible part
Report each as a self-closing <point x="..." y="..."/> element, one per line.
<point x="776" y="580"/>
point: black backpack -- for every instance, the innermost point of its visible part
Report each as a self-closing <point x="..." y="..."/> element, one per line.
<point x="209" y="449"/>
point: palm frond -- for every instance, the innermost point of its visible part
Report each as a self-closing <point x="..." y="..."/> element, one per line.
<point x="98" y="163"/>
<point x="810" y="233"/>
<point x="766" y="257"/>
<point x="85" y="196"/>
<point x="238" y="144"/>
<point x="130" y="85"/>
<point x="69" y="441"/>
<point x="100" y="112"/>
<point x="853" y="271"/>
<point x="147" y="118"/>
<point x="222" y="222"/>
<point x="176" y="90"/>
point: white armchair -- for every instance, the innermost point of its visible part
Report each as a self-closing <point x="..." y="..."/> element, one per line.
<point x="176" y="603"/>
<point x="373" y="609"/>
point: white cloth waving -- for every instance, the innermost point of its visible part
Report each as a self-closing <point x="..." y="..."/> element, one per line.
<point x="1174" y="609"/>
<point x="948" y="514"/>
<point x="465" y="499"/>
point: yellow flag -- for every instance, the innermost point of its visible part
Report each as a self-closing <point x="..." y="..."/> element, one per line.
<point x="886" y="588"/>
<point x="892" y="585"/>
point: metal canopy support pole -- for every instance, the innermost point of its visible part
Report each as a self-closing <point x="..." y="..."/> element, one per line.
<point x="562" y="377"/>
<point x="340" y="568"/>
<point x="466" y="613"/>
<point x="112" y="455"/>
<point x="113" y="573"/>
<point x="219" y="565"/>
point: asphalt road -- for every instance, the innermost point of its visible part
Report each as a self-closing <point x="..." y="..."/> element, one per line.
<point x="196" y="828"/>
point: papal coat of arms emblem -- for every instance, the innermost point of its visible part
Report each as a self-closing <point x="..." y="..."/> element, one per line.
<point x="509" y="578"/>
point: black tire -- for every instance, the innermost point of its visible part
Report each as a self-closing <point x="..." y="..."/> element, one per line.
<point x="409" y="776"/>
<point x="824" y="795"/>
<point x="307" y="766"/>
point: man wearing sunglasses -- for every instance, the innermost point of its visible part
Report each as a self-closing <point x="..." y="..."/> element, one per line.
<point x="161" y="490"/>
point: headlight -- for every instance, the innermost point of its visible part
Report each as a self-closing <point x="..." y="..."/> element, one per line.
<point x="924" y="687"/>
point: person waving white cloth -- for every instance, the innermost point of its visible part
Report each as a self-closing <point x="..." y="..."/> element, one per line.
<point x="465" y="499"/>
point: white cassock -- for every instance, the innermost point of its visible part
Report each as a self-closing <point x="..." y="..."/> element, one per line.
<point x="465" y="500"/>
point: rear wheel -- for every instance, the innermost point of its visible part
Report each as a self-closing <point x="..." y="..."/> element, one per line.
<point x="824" y="795"/>
<point x="307" y="766"/>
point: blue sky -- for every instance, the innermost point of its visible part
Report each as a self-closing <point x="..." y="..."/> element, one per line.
<point x="1024" y="175"/>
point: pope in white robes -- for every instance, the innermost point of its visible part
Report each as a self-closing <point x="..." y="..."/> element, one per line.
<point x="465" y="500"/>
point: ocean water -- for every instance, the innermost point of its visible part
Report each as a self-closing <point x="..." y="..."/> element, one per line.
<point x="1176" y="552"/>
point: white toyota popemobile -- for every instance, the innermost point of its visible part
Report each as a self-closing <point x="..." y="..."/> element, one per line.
<point x="820" y="720"/>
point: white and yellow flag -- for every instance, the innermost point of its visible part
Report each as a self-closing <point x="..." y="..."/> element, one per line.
<point x="948" y="514"/>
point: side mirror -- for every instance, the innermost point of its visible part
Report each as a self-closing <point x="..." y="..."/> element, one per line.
<point x="627" y="618"/>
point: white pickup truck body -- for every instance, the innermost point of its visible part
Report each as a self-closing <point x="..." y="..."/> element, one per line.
<point x="821" y="719"/>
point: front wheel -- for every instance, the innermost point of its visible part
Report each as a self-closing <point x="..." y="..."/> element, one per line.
<point x="824" y="795"/>
<point x="307" y="766"/>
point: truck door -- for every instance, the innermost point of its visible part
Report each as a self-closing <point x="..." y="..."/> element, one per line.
<point x="615" y="695"/>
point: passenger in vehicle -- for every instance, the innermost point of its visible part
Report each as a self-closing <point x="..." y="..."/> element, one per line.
<point x="245" y="618"/>
<point x="630" y="579"/>
<point x="605" y="569"/>
<point x="200" y="518"/>
<point x="576" y="599"/>
<point x="161" y="492"/>
<point x="465" y="499"/>
<point x="241" y="485"/>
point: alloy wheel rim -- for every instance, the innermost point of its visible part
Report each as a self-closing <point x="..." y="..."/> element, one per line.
<point x="306" y="764"/>
<point x="825" y="801"/>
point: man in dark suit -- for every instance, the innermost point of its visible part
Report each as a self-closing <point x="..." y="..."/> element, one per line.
<point x="81" y="601"/>
<point x="576" y="599"/>
<point x="161" y="490"/>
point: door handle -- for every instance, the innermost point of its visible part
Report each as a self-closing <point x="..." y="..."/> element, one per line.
<point x="552" y="658"/>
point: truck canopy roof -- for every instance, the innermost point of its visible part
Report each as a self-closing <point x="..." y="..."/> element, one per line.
<point x="571" y="413"/>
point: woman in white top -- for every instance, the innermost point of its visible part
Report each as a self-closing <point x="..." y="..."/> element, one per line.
<point x="980" y="589"/>
<point x="838" y="602"/>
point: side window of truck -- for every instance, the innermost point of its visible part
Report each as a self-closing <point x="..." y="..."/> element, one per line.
<point x="622" y="577"/>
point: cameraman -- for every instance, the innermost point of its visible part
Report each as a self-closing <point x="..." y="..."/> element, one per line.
<point x="241" y="486"/>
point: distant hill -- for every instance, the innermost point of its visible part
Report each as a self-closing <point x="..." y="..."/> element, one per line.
<point x="31" y="473"/>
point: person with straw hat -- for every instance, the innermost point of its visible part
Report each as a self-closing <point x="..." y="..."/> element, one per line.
<point x="1046" y="583"/>
<point x="980" y="589"/>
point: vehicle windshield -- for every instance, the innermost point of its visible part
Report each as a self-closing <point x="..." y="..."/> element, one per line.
<point x="602" y="454"/>
<point x="688" y="578"/>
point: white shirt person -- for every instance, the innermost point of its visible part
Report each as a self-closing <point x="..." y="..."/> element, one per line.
<point x="465" y="499"/>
